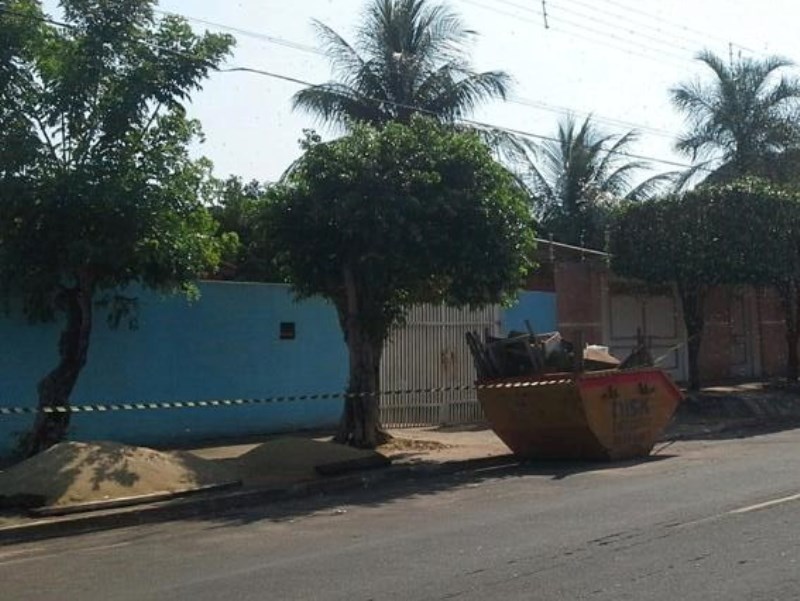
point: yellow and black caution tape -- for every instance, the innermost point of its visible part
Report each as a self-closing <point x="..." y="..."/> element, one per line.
<point x="169" y="405"/>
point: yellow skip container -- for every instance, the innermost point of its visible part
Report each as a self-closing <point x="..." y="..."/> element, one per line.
<point x="605" y="415"/>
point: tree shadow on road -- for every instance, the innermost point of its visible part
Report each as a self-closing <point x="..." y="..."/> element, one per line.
<point x="729" y="429"/>
<point x="388" y="490"/>
<point x="730" y="415"/>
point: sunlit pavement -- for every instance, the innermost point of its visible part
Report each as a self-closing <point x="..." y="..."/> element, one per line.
<point x="709" y="520"/>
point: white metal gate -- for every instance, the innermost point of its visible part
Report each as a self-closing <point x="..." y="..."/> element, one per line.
<point x="657" y="317"/>
<point x="430" y="352"/>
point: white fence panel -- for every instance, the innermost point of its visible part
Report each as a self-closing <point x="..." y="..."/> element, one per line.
<point x="430" y="352"/>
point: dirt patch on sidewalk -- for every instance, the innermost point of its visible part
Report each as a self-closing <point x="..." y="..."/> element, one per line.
<point x="408" y="445"/>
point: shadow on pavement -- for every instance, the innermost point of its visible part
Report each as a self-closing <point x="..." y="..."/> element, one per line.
<point x="388" y="491"/>
<point x="729" y="429"/>
<point x="478" y="427"/>
<point x="728" y="413"/>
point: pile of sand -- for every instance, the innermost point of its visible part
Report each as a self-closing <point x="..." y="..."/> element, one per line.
<point x="296" y="459"/>
<point x="74" y="472"/>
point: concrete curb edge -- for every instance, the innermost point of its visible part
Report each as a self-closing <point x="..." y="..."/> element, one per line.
<point x="186" y="507"/>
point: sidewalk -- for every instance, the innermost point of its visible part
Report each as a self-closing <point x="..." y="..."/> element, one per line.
<point x="431" y="445"/>
<point x="422" y="452"/>
<point x="730" y="412"/>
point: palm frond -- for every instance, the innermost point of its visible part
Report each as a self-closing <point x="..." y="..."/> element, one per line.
<point x="716" y="64"/>
<point x="407" y="53"/>
<point x="614" y="154"/>
<point x="456" y="98"/>
<point x="693" y="98"/>
<point x="741" y="113"/>
<point x="583" y="164"/>
<point x="693" y="175"/>
<point x="787" y="90"/>
<point x="345" y="59"/>
<point x="338" y="104"/>
<point x="508" y="148"/>
<point x="619" y="181"/>
<point x="544" y="193"/>
<point x="653" y="186"/>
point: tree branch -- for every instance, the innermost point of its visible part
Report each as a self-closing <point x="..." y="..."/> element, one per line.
<point x="43" y="130"/>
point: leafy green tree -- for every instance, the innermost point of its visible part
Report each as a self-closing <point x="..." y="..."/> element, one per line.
<point x="765" y="253"/>
<point x="18" y="145"/>
<point x="697" y="241"/>
<point x="388" y="218"/>
<point x="102" y="193"/>
<point x="743" y="120"/>
<point x="576" y="178"/>
<point x="667" y="241"/>
<point x="237" y="207"/>
<point x="409" y="56"/>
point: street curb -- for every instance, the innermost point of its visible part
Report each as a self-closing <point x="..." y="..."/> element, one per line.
<point x="52" y="511"/>
<point x="211" y="503"/>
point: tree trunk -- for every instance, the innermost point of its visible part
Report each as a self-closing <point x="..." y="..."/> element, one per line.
<point x="360" y="424"/>
<point x="694" y="363"/>
<point x="792" y="337"/>
<point x="791" y="306"/>
<point x="57" y="386"/>
<point x="694" y="318"/>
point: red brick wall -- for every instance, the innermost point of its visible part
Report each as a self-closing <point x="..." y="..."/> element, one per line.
<point x="773" y="333"/>
<point x="715" y="355"/>
<point x="543" y="279"/>
<point x="580" y="287"/>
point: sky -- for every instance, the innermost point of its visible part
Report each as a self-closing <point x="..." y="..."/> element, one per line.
<point x="616" y="59"/>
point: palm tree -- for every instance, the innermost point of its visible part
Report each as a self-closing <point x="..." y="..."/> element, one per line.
<point x="577" y="176"/>
<point x="743" y="119"/>
<point x="409" y="57"/>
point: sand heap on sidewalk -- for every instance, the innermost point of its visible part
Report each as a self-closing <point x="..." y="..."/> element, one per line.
<point x="77" y="472"/>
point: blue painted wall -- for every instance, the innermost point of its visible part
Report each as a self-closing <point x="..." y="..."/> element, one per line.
<point x="537" y="307"/>
<point x="224" y="346"/>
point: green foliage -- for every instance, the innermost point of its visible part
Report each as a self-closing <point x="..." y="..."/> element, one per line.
<point x="96" y="181"/>
<point x="390" y="217"/>
<point x="744" y="119"/>
<point x="417" y="213"/>
<point x="745" y="232"/>
<point x="409" y="57"/>
<point x="238" y="207"/>
<point x="662" y="241"/>
<point x="756" y="225"/>
<point x="577" y="179"/>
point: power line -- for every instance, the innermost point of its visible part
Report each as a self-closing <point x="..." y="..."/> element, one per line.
<point x="562" y="110"/>
<point x="581" y="26"/>
<point x="475" y="123"/>
<point x="305" y="83"/>
<point x="591" y="38"/>
<point x="253" y="34"/>
<point x="611" y="121"/>
<point x="619" y="24"/>
<point x="279" y="41"/>
<point x="699" y="39"/>
<point x="675" y="24"/>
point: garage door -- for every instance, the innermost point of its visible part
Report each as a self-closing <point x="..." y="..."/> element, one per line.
<point x="659" y="319"/>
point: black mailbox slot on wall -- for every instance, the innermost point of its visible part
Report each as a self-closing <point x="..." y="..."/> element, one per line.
<point x="288" y="331"/>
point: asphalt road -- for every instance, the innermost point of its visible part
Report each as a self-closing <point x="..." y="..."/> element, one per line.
<point x="717" y="520"/>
